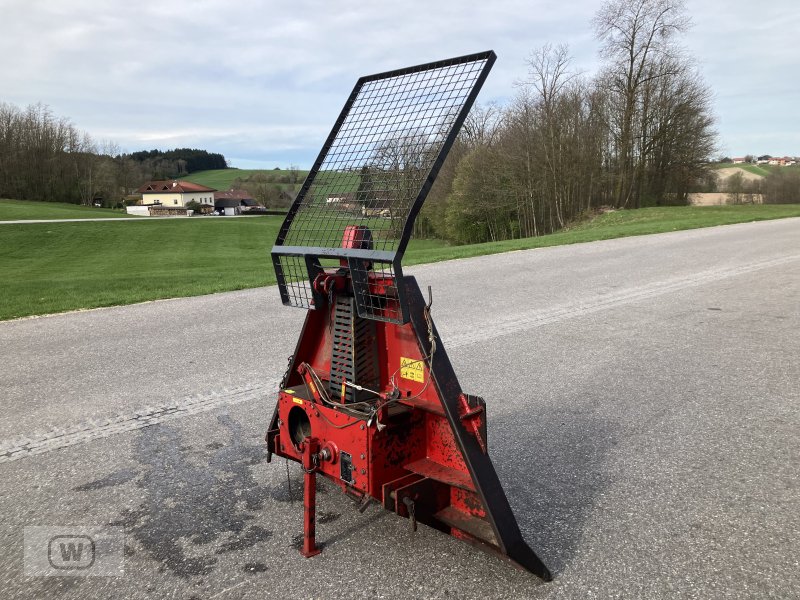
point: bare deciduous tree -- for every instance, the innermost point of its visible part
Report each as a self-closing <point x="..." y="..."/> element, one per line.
<point x="636" y="37"/>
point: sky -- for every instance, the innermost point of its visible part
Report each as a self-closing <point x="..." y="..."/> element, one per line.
<point x="263" y="82"/>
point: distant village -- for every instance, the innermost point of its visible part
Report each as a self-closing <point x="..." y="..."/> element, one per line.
<point x="781" y="161"/>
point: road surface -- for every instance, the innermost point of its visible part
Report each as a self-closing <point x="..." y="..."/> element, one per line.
<point x="644" y="417"/>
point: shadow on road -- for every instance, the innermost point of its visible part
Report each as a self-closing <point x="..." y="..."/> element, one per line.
<point x="552" y="470"/>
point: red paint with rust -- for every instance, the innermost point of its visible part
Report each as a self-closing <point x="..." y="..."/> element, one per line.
<point x="419" y="446"/>
<point x="415" y="437"/>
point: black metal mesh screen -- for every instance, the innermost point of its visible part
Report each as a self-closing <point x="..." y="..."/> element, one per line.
<point x="375" y="170"/>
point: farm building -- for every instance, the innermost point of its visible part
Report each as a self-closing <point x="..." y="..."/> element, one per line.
<point x="235" y="202"/>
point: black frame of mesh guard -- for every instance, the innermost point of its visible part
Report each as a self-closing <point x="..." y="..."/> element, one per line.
<point x="375" y="170"/>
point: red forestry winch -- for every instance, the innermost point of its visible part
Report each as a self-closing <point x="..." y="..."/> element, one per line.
<point x="370" y="400"/>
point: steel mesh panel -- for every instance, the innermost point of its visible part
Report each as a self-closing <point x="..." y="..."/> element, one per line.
<point x="375" y="290"/>
<point x="376" y="169"/>
<point x="296" y="283"/>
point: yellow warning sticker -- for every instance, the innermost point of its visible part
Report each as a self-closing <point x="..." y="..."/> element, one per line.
<point x="413" y="369"/>
<point x="297" y="400"/>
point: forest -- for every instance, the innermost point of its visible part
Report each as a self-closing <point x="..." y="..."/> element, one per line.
<point x="640" y="132"/>
<point x="46" y="157"/>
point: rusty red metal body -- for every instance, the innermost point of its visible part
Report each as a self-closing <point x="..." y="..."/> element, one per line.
<point x="415" y="443"/>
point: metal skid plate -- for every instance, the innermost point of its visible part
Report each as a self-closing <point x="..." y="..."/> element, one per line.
<point x="375" y="170"/>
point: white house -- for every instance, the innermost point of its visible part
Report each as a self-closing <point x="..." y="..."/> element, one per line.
<point x="175" y="193"/>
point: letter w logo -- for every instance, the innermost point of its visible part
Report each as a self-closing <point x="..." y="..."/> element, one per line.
<point x="71" y="551"/>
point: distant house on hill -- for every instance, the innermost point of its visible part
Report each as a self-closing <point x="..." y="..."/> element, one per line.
<point x="175" y="193"/>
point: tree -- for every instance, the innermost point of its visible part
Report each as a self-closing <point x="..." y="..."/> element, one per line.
<point x="735" y="186"/>
<point x="366" y="193"/>
<point x="782" y="187"/>
<point x="44" y="157"/>
<point x="40" y="155"/>
<point x="481" y="207"/>
<point x="294" y="174"/>
<point x="637" y="38"/>
<point x="677" y="134"/>
<point x="481" y="128"/>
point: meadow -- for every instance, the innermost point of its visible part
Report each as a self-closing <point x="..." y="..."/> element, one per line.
<point x="61" y="266"/>
<point x="18" y="210"/>
<point x="223" y="179"/>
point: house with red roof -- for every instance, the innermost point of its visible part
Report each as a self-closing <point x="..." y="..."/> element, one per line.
<point x="175" y="193"/>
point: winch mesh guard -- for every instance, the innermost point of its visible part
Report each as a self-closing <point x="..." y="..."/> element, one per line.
<point x="375" y="170"/>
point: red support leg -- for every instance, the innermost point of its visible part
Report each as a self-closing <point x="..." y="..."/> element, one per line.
<point x="310" y="449"/>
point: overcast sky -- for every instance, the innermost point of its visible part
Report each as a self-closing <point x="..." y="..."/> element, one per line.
<point x="262" y="82"/>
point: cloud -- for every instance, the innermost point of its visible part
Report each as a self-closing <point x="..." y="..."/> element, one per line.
<point x="259" y="79"/>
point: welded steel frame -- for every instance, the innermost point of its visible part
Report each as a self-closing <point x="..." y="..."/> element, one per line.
<point x="353" y="256"/>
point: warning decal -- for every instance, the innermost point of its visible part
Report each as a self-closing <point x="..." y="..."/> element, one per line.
<point x="412" y="369"/>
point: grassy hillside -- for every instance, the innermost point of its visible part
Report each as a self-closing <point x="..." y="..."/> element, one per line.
<point x="17" y="210"/>
<point x="283" y="179"/>
<point x="55" y="267"/>
<point x="223" y="179"/>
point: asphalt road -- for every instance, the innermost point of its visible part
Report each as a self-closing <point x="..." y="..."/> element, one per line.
<point x="644" y="418"/>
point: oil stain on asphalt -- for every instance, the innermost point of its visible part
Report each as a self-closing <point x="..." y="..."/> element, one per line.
<point x="187" y="503"/>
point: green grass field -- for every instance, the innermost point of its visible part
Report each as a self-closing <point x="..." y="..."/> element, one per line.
<point x="19" y="210"/>
<point x="617" y="224"/>
<point x="55" y="267"/>
<point x="222" y="179"/>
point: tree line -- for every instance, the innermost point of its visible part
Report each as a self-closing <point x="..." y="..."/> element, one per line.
<point x="638" y="133"/>
<point x="178" y="162"/>
<point x="781" y="186"/>
<point x="45" y="157"/>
